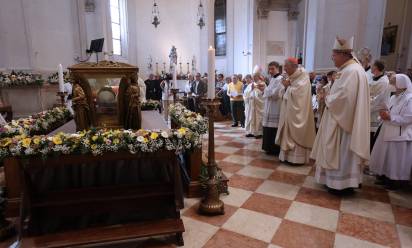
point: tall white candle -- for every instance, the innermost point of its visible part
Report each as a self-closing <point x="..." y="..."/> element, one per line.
<point x="211" y="73"/>
<point x="61" y="81"/>
<point x="175" y="76"/>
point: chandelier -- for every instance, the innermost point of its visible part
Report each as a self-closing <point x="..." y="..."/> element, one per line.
<point x="200" y="15"/>
<point x="155" y="14"/>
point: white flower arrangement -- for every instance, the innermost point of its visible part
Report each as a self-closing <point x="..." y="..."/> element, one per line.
<point x="186" y="118"/>
<point x="98" y="142"/>
<point x="40" y="123"/>
<point x="19" y="79"/>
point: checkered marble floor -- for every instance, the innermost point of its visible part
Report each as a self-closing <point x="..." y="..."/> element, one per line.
<point x="276" y="205"/>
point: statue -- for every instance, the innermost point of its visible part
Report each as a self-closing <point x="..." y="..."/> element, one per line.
<point x="81" y="108"/>
<point x="173" y="56"/>
<point x="194" y="65"/>
<point x="133" y="113"/>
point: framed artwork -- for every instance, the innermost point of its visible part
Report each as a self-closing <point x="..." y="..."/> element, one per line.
<point x="389" y="40"/>
<point x="275" y="48"/>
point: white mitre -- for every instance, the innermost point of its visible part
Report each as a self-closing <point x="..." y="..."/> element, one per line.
<point x="257" y="69"/>
<point x="343" y="45"/>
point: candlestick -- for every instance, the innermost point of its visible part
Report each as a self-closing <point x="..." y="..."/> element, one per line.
<point x="61" y="81"/>
<point x="157" y="68"/>
<point x="211" y="73"/>
<point x="188" y="71"/>
<point x="174" y="75"/>
<point x="211" y="204"/>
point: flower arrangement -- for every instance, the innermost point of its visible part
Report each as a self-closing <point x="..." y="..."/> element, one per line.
<point x="40" y="123"/>
<point x="54" y="78"/>
<point x="150" y="105"/>
<point x="186" y="118"/>
<point x="19" y="79"/>
<point x="98" y="142"/>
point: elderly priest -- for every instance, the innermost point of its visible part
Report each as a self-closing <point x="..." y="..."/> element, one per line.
<point x="296" y="129"/>
<point x="342" y="143"/>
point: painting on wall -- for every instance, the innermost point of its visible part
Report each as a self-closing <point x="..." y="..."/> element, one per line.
<point x="389" y="40"/>
<point x="275" y="48"/>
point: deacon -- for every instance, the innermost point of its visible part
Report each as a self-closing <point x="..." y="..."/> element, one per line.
<point x="253" y="98"/>
<point x="296" y="129"/>
<point x="273" y="100"/>
<point x="342" y="143"/>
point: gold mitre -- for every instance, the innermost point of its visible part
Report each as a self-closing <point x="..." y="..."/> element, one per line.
<point x="343" y="45"/>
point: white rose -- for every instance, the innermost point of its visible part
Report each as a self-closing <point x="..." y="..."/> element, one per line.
<point x="140" y="139"/>
<point x="164" y="134"/>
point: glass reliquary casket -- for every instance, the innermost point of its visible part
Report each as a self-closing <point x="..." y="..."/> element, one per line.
<point x="105" y="95"/>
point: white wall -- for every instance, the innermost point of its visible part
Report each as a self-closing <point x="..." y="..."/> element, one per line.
<point x="38" y="34"/>
<point x="178" y="27"/>
<point x="327" y="19"/>
<point x="276" y="27"/>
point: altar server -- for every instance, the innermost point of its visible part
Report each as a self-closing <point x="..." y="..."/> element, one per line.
<point x="273" y="100"/>
<point x="253" y="98"/>
<point x="392" y="154"/>
<point x="342" y="143"/>
<point x="296" y="130"/>
<point x="379" y="96"/>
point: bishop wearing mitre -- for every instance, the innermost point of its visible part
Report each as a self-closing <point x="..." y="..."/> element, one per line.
<point x="296" y="128"/>
<point x="342" y="143"/>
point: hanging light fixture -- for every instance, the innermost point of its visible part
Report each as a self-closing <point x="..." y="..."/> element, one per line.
<point x="155" y="14"/>
<point x="200" y="15"/>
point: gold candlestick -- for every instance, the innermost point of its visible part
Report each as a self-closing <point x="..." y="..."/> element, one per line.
<point x="211" y="204"/>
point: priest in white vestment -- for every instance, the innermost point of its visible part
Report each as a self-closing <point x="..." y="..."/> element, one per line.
<point x="365" y="58"/>
<point x="296" y="129"/>
<point x="342" y="142"/>
<point x="392" y="155"/>
<point x="273" y="99"/>
<point x="253" y="99"/>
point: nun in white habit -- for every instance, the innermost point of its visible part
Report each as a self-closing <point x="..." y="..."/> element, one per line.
<point x="392" y="153"/>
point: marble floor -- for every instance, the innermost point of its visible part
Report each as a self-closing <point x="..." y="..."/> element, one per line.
<point x="273" y="205"/>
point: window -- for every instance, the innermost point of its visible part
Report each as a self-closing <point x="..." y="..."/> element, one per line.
<point x="118" y="27"/>
<point x="220" y="27"/>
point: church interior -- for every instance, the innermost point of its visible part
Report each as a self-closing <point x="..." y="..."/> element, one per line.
<point x="206" y="123"/>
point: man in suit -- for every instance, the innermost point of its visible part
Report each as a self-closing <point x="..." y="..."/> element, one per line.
<point x="199" y="89"/>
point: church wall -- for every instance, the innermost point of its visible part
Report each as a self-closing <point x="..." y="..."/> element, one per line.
<point x="275" y="28"/>
<point x="38" y="34"/>
<point x="326" y="19"/>
<point x="178" y="27"/>
<point x="14" y="51"/>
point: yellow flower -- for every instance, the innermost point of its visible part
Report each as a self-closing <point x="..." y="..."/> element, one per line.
<point x="57" y="140"/>
<point x="116" y="141"/>
<point x="36" y="141"/>
<point x="94" y="147"/>
<point x="182" y="131"/>
<point x="5" y="142"/>
<point x="145" y="140"/>
<point x="94" y="138"/>
<point x="154" y="136"/>
<point x="26" y="142"/>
